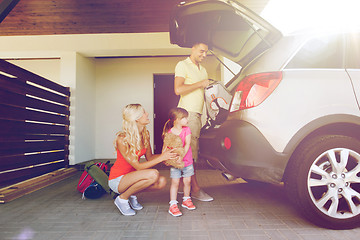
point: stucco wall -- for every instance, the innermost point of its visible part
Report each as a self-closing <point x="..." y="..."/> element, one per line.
<point x="101" y="87"/>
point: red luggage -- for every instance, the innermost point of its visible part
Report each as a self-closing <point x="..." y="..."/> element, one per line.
<point x="86" y="180"/>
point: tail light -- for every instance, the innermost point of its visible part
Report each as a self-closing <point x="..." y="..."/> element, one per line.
<point x="254" y="89"/>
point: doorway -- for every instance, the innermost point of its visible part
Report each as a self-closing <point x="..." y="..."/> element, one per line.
<point x="164" y="100"/>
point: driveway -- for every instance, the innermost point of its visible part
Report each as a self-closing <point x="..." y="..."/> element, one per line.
<point x="240" y="211"/>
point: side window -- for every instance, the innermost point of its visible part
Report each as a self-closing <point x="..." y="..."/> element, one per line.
<point x="324" y="52"/>
<point x="353" y="51"/>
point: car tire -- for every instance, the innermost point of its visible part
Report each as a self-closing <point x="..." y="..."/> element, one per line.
<point x="323" y="181"/>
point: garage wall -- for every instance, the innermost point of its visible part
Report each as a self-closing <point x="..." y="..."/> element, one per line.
<point x="77" y="72"/>
<point x="101" y="87"/>
<point x="47" y="68"/>
<point x="84" y="110"/>
<point x="120" y="81"/>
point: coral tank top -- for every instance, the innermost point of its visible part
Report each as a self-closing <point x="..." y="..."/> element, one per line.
<point x="121" y="166"/>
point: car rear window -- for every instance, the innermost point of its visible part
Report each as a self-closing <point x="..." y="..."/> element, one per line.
<point x="321" y="52"/>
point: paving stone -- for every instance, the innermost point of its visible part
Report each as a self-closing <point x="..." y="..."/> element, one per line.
<point x="240" y="211"/>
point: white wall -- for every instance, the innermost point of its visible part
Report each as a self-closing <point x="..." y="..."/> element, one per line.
<point x="47" y="68"/>
<point x="89" y="45"/>
<point x="100" y="88"/>
<point x="120" y="81"/>
<point x="85" y="109"/>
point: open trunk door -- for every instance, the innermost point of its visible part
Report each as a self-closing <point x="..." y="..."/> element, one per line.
<point x="228" y="28"/>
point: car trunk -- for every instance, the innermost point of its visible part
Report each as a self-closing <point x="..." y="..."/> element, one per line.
<point x="229" y="28"/>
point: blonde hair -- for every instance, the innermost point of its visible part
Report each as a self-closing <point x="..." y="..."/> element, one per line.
<point x="175" y="113"/>
<point x="132" y="138"/>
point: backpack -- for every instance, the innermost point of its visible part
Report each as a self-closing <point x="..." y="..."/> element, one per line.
<point x="88" y="186"/>
<point x="93" y="191"/>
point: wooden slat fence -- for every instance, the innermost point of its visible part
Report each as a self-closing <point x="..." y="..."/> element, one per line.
<point x="34" y="124"/>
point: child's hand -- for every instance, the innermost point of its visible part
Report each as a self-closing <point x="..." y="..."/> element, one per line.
<point x="179" y="159"/>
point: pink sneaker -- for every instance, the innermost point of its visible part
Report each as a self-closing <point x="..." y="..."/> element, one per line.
<point x="174" y="210"/>
<point x="188" y="204"/>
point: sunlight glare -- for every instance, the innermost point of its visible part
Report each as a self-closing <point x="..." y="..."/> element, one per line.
<point x="292" y="15"/>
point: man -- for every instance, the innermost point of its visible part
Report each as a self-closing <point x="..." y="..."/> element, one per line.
<point x="190" y="80"/>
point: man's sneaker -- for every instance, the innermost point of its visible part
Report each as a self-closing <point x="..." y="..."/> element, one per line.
<point x="202" y="196"/>
<point x="174" y="210"/>
<point x="134" y="203"/>
<point x="188" y="204"/>
<point x="124" y="208"/>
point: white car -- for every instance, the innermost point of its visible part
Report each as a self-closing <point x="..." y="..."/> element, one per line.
<point x="294" y="116"/>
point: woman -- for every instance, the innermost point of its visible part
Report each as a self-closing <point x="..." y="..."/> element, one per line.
<point x="128" y="176"/>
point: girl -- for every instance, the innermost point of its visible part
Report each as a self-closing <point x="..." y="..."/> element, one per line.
<point x="177" y="124"/>
<point x="128" y="176"/>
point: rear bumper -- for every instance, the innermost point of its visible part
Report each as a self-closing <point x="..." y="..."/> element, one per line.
<point x="250" y="155"/>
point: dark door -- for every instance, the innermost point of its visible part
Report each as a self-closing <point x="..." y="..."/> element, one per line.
<point x="164" y="100"/>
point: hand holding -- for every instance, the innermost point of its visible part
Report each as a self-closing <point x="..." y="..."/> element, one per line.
<point x="168" y="154"/>
<point x="205" y="83"/>
<point x="179" y="159"/>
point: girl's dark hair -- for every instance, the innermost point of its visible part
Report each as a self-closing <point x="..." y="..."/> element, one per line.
<point x="174" y="113"/>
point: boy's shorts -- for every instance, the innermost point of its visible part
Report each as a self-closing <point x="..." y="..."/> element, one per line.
<point x="187" y="171"/>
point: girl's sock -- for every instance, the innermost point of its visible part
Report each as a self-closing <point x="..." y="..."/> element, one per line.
<point x="186" y="198"/>
<point x="173" y="202"/>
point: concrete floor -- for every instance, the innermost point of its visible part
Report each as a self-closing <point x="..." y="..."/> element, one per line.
<point x="240" y="211"/>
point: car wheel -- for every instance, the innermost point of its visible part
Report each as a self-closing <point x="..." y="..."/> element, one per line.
<point x="323" y="181"/>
